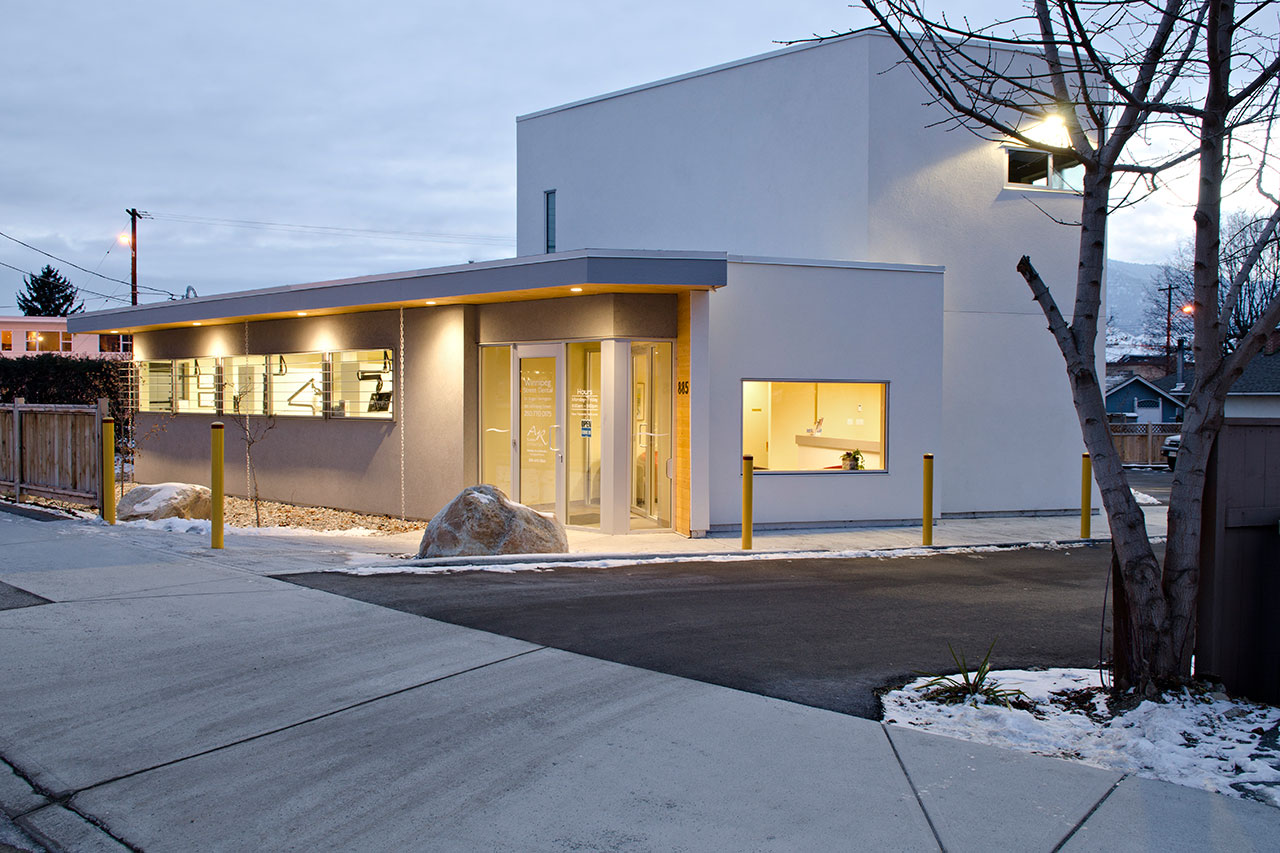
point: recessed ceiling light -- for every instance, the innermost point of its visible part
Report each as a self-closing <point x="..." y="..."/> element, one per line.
<point x="575" y="290"/>
<point x="115" y="331"/>
<point x="197" y="323"/>
<point x="302" y="313"/>
<point x="431" y="302"/>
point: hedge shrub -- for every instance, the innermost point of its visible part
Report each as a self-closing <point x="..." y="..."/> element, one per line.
<point x="51" y="378"/>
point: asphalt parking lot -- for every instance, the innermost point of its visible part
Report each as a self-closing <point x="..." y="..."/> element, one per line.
<point x="1154" y="482"/>
<point x="821" y="632"/>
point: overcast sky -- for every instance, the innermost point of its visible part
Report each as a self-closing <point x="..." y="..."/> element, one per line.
<point x="385" y="115"/>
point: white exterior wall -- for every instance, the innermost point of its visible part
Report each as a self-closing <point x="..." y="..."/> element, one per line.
<point x="845" y="323"/>
<point x="1252" y="406"/>
<point x="763" y="159"/>
<point x="1013" y="438"/>
<point x="814" y="153"/>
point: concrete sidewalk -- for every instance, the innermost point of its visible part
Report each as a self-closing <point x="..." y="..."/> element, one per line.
<point x="590" y="544"/>
<point x="170" y="698"/>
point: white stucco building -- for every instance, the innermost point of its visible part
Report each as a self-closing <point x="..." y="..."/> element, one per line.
<point x="784" y="256"/>
<point x="828" y="151"/>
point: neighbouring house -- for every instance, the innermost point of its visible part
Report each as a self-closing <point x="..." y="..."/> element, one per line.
<point x="21" y="336"/>
<point x="1256" y="394"/>
<point x="1149" y="367"/>
<point x="1133" y="399"/>
<point x="814" y="273"/>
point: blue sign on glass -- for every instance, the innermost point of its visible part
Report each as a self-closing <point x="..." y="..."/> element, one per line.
<point x="586" y="429"/>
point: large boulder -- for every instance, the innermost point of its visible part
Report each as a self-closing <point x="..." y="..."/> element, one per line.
<point x="482" y="521"/>
<point x="165" y="500"/>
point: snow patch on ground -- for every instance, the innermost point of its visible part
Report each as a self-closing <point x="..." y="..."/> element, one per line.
<point x="163" y="494"/>
<point x="1202" y="741"/>
<point x="202" y="526"/>
<point x="1144" y="499"/>
<point x="362" y="566"/>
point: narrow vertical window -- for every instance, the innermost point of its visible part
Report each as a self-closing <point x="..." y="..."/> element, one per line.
<point x="549" y="204"/>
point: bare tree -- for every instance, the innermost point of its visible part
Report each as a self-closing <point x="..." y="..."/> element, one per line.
<point x="1113" y="75"/>
<point x="252" y="428"/>
<point x="1174" y="288"/>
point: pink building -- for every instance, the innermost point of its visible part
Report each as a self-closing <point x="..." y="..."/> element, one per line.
<point x="21" y="336"/>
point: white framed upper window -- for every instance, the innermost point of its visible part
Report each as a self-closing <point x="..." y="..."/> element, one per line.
<point x="1029" y="167"/>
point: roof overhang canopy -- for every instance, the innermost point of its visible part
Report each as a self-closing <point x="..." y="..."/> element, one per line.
<point x="564" y="274"/>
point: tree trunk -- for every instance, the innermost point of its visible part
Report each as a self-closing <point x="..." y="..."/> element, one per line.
<point x="1122" y="634"/>
<point x="1203" y="415"/>
<point x="1136" y="651"/>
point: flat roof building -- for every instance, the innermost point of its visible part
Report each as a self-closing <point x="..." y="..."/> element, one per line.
<point x="816" y="274"/>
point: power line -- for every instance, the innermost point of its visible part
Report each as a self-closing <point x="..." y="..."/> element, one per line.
<point x="78" y="289"/>
<point x="83" y="269"/>
<point x="338" y="231"/>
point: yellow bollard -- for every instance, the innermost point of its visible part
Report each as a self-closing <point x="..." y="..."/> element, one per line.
<point x="1086" y="495"/>
<point x="748" y="467"/>
<point x="109" y="470"/>
<point x="215" y="485"/>
<point x="926" y="514"/>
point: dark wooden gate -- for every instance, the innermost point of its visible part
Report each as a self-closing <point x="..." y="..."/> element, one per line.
<point x="1238" y="634"/>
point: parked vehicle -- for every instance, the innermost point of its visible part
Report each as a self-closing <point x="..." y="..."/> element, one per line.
<point x="1170" y="449"/>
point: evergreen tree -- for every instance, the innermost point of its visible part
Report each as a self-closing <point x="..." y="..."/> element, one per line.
<point x="49" y="295"/>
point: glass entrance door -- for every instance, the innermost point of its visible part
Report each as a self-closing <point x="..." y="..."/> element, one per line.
<point x="540" y="438"/>
<point x="651" y="435"/>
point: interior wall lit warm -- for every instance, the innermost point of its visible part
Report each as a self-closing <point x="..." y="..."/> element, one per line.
<point x="814" y="426"/>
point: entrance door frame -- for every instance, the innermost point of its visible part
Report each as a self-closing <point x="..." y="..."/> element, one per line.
<point x="615" y="428"/>
<point x="520" y="352"/>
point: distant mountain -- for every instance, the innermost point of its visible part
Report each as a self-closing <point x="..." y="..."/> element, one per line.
<point x="1128" y="286"/>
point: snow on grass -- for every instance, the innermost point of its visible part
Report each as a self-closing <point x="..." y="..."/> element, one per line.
<point x="202" y="525"/>
<point x="1144" y="498"/>
<point x="533" y="563"/>
<point x="1200" y="740"/>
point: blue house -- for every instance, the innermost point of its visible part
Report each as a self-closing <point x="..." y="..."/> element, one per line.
<point x="1132" y="399"/>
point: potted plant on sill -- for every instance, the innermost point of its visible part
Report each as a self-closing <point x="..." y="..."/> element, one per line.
<point x="851" y="460"/>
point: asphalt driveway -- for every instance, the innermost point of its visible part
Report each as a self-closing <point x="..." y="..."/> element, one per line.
<point x="819" y="632"/>
<point x="1156" y="483"/>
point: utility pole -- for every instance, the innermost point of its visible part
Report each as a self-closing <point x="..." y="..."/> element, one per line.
<point x="134" y="216"/>
<point x="1168" y="328"/>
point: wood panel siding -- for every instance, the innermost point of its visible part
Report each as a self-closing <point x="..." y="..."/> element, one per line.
<point x="683" y="443"/>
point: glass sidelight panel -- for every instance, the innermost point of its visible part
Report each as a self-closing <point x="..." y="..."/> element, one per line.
<point x="651" y="434"/>
<point x="583" y="434"/>
<point x="495" y="417"/>
<point x="540" y="451"/>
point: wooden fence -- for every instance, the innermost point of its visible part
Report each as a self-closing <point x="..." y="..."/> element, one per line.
<point x="51" y="451"/>
<point x="1139" y="444"/>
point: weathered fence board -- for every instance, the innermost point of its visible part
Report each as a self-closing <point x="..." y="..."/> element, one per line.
<point x="6" y="447"/>
<point x="1139" y="444"/>
<point x="51" y="451"/>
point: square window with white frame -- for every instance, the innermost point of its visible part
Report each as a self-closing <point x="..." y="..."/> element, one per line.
<point x="825" y="426"/>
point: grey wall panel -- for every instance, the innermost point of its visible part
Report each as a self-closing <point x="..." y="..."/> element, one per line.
<point x="606" y="315"/>
<point x="343" y="463"/>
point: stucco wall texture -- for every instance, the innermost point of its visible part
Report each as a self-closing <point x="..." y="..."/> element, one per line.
<point x="831" y="151"/>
